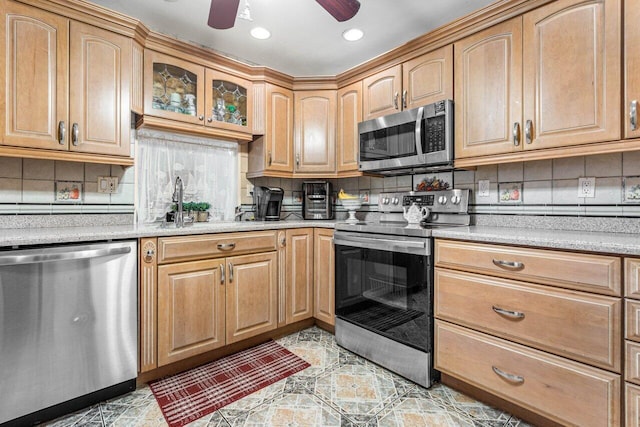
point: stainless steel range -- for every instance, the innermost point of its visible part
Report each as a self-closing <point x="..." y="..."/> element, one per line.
<point x="384" y="280"/>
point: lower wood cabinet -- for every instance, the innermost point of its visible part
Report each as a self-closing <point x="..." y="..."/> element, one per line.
<point x="191" y="309"/>
<point x="299" y="275"/>
<point x="251" y="295"/>
<point x="324" y="283"/>
<point x="632" y="418"/>
<point x="564" y="391"/>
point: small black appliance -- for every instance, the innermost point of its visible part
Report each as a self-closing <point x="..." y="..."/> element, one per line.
<point x="267" y="202"/>
<point x="316" y="200"/>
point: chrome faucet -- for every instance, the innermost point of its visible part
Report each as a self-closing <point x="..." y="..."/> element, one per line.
<point x="238" y="214"/>
<point x="178" y="191"/>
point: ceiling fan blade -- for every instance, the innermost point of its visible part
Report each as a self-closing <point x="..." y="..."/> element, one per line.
<point x="222" y="14"/>
<point x="342" y="10"/>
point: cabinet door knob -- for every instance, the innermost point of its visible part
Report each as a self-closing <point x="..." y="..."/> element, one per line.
<point x="516" y="379"/>
<point x="516" y="133"/>
<point x="528" y="131"/>
<point x="201" y="117"/>
<point x="62" y="132"/>
<point x="508" y="313"/>
<point x="226" y="246"/>
<point x="209" y="119"/>
<point x="75" y="134"/>
<point x="633" y="115"/>
<point x="509" y="265"/>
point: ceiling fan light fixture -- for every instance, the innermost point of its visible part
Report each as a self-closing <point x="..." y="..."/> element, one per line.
<point x="260" y="33"/>
<point x="352" y="34"/>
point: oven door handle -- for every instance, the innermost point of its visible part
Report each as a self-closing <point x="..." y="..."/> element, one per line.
<point x="418" y="246"/>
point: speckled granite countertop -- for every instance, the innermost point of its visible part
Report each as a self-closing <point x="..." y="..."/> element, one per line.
<point x="39" y="236"/>
<point x="588" y="241"/>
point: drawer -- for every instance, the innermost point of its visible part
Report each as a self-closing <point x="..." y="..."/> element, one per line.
<point x="632" y="393"/>
<point x="632" y="362"/>
<point x="632" y="277"/>
<point x="186" y="248"/>
<point x="564" y="391"/>
<point x="593" y="273"/>
<point x="584" y="327"/>
<point x="632" y="314"/>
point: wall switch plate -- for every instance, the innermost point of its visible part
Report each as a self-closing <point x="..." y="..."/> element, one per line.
<point x="587" y="187"/>
<point x="483" y="188"/>
<point x="107" y="184"/>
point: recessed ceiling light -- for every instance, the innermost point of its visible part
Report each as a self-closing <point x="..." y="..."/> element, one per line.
<point x="352" y="35"/>
<point x="260" y="33"/>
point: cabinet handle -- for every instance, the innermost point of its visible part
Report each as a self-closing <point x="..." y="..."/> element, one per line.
<point x="226" y="246"/>
<point x="516" y="133"/>
<point x="283" y="242"/>
<point x="516" y="379"/>
<point x="298" y="160"/>
<point x="404" y="99"/>
<point x="270" y="158"/>
<point x="508" y="313"/>
<point x="62" y="132"/>
<point x="528" y="131"/>
<point x="222" y="274"/>
<point x="509" y="265"/>
<point x="633" y="115"/>
<point x="231" y="272"/>
<point x="75" y="132"/>
<point x="395" y="101"/>
<point x="209" y="119"/>
<point x="201" y="117"/>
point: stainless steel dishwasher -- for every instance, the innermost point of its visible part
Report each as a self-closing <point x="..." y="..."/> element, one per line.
<point x="68" y="328"/>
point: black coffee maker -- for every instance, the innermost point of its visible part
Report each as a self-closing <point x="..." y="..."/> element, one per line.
<point x="267" y="202"/>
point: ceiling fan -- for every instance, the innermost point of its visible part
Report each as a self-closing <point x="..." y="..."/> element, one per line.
<point x="222" y="14"/>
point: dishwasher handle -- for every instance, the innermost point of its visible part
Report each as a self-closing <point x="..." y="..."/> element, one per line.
<point x="16" y="259"/>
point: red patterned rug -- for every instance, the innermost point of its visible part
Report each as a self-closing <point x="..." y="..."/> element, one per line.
<point x="185" y="397"/>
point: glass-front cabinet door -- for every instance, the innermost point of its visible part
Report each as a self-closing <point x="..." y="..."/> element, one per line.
<point x="174" y="89"/>
<point x="229" y="102"/>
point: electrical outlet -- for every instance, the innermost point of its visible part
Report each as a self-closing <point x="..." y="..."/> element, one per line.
<point x="113" y="184"/>
<point x="483" y="188"/>
<point x="587" y="187"/>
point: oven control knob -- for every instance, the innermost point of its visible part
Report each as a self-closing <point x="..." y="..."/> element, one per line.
<point x="385" y="200"/>
<point x="395" y="201"/>
<point x="442" y="200"/>
<point x="455" y="200"/>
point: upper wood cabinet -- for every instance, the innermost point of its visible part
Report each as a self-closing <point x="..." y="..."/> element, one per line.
<point x="66" y="84"/>
<point x="272" y="153"/>
<point x="348" y="138"/>
<point x="632" y="69"/>
<point x="422" y="80"/>
<point x="488" y="94"/>
<point x="315" y="131"/>
<point x="217" y="103"/>
<point x="566" y="58"/>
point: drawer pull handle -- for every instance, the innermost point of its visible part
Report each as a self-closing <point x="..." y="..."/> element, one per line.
<point x="226" y="246"/>
<point x="516" y="379"/>
<point x="509" y="265"/>
<point x="508" y="313"/>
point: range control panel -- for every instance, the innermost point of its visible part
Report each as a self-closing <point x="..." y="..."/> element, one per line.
<point x="443" y="201"/>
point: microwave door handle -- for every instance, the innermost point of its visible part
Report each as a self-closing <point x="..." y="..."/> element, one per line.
<point x="418" y="132"/>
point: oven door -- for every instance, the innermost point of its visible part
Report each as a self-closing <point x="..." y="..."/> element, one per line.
<point x="384" y="284"/>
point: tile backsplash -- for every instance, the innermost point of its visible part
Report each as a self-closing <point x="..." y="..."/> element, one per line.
<point x="546" y="187"/>
<point x="27" y="186"/>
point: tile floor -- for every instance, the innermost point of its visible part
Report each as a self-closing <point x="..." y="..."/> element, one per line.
<point x="338" y="389"/>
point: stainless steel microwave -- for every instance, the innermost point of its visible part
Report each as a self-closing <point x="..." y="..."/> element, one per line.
<point x="410" y="141"/>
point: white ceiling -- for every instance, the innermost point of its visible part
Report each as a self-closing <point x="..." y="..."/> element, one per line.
<point x="306" y="40"/>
